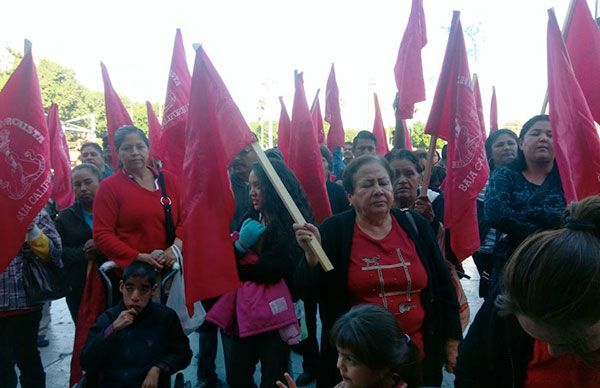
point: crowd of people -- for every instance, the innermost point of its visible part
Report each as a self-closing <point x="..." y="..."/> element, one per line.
<point x="392" y="310"/>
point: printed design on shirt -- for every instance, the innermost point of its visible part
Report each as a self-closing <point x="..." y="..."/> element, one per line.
<point x="372" y="264"/>
<point x="19" y="171"/>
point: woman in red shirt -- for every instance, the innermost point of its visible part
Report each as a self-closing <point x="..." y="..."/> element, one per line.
<point x="387" y="257"/>
<point x="129" y="218"/>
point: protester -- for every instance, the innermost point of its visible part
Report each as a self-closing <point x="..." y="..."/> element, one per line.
<point x="137" y="343"/>
<point x="544" y="328"/>
<point x="266" y="236"/>
<point x="310" y="346"/>
<point x="525" y="196"/>
<point x="20" y="317"/>
<point x="129" y="215"/>
<point x="372" y="351"/>
<point x="370" y="248"/>
<point x="75" y="228"/>
<point x="92" y="153"/>
<point x="337" y="197"/>
<point x="239" y="171"/>
<point x="347" y="154"/>
<point x="407" y="180"/>
<point x="501" y="150"/>
<point x="364" y="143"/>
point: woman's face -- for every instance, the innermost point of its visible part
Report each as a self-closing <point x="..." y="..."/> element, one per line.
<point x="355" y="373"/>
<point x="537" y="143"/>
<point x="406" y="181"/>
<point x="85" y="185"/>
<point x="582" y="341"/>
<point x="91" y="155"/>
<point x="133" y="153"/>
<point x="257" y="194"/>
<point x="504" y="150"/>
<point x="372" y="190"/>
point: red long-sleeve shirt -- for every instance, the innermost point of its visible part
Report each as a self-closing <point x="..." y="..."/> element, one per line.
<point x="128" y="219"/>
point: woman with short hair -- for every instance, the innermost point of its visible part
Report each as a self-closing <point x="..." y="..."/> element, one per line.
<point x="385" y="256"/>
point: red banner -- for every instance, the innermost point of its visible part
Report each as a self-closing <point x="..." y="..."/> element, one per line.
<point x="317" y="120"/>
<point x="454" y="118"/>
<point x="176" y="109"/>
<point x="574" y="136"/>
<point x="493" y="112"/>
<point x="25" y="180"/>
<point x="211" y="268"/>
<point x="379" y="130"/>
<point x="408" y="70"/>
<point x="60" y="161"/>
<point x="333" y="114"/>
<point x="283" y="132"/>
<point x="154" y="133"/>
<point x="305" y="156"/>
<point x="583" y="44"/>
<point x="478" y="104"/>
<point x="407" y="140"/>
<point x="116" y="114"/>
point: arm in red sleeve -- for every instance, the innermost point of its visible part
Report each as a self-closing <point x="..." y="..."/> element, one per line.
<point x="106" y="213"/>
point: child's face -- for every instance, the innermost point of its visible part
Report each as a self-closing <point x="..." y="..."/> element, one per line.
<point x="137" y="292"/>
<point x="355" y="373"/>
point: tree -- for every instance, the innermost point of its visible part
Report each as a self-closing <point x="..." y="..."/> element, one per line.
<point x="420" y="139"/>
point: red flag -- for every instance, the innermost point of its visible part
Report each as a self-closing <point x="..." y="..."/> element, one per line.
<point x="407" y="140"/>
<point x="454" y="118"/>
<point x="583" y="44"/>
<point x="116" y="114"/>
<point x="283" y="132"/>
<point x="379" y="130"/>
<point x="333" y="114"/>
<point x="25" y="180"/>
<point x="408" y="70"/>
<point x="176" y="109"/>
<point x="478" y="104"/>
<point x="211" y="269"/>
<point x="60" y="162"/>
<point x="317" y="119"/>
<point x="305" y="156"/>
<point x="154" y="133"/>
<point x="93" y="303"/>
<point x="493" y="112"/>
<point x="576" y="142"/>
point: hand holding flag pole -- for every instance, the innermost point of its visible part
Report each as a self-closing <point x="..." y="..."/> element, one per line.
<point x="290" y="205"/>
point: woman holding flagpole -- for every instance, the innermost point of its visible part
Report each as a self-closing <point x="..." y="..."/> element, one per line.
<point x="385" y="256"/>
<point x="526" y="196"/>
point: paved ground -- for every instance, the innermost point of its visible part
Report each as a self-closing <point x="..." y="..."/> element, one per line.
<point x="57" y="357"/>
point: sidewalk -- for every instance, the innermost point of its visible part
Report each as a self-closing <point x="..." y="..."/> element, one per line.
<point x="57" y="356"/>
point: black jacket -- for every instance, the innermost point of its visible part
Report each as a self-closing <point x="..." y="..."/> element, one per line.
<point x="124" y="358"/>
<point x="439" y="301"/>
<point x="74" y="232"/>
<point x="337" y="197"/>
<point x="495" y="353"/>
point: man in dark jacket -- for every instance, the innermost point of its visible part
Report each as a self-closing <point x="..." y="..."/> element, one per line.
<point x="137" y="342"/>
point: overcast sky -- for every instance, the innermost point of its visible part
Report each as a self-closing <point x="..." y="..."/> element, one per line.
<point x="256" y="45"/>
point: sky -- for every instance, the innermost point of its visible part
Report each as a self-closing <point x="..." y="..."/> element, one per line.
<point x="257" y="45"/>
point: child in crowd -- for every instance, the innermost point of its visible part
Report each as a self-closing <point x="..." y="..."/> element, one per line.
<point x="137" y="342"/>
<point x="372" y="351"/>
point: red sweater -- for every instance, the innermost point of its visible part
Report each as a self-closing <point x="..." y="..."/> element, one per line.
<point x="128" y="219"/>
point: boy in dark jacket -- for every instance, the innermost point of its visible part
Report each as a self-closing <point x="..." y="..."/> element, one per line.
<point x="137" y="342"/>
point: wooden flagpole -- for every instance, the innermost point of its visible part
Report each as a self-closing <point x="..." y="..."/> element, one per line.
<point x="565" y="32"/>
<point x="290" y="205"/>
<point x="315" y="100"/>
